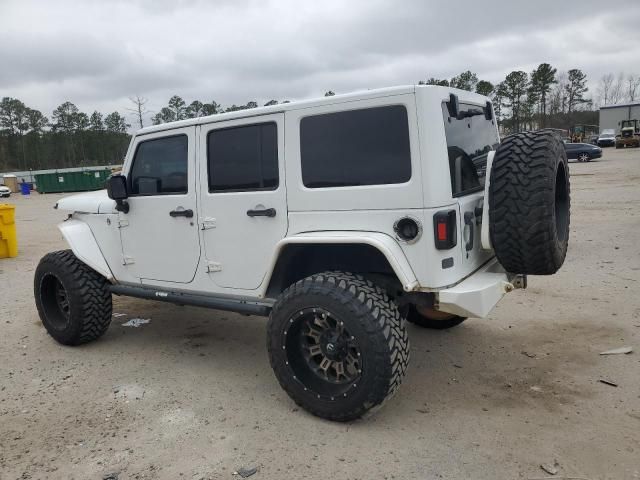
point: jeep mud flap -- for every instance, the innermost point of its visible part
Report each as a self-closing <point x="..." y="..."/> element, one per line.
<point x="479" y="293"/>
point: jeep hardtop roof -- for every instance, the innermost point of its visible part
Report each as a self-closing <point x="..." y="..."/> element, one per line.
<point x="283" y="107"/>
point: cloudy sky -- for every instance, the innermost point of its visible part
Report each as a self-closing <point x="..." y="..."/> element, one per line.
<point x="96" y="53"/>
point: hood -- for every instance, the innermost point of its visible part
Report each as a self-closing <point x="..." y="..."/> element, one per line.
<point x="89" y="202"/>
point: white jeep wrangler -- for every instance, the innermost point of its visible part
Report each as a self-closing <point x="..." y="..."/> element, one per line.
<point x="338" y="218"/>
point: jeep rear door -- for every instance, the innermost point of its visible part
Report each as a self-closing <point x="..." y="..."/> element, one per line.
<point x="243" y="203"/>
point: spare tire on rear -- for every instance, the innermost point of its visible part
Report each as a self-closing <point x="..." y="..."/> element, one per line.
<point x="529" y="203"/>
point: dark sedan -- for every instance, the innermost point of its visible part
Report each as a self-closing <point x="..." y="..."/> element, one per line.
<point x="583" y="152"/>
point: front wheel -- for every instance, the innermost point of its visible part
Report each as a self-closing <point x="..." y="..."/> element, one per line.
<point x="584" y="157"/>
<point x="73" y="300"/>
<point x="337" y="345"/>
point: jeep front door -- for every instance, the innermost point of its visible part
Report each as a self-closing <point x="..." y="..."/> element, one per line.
<point x="243" y="203"/>
<point x="160" y="240"/>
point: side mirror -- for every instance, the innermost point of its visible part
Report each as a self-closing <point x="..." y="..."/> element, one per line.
<point x="117" y="187"/>
<point x="117" y="190"/>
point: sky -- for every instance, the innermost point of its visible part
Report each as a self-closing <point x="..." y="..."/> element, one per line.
<point x="97" y="53"/>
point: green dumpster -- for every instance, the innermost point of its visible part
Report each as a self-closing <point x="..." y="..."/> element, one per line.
<point x="72" y="181"/>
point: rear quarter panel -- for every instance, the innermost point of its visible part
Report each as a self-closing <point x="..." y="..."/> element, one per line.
<point x="424" y="259"/>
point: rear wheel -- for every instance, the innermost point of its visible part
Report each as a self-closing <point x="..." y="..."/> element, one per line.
<point x="73" y="300"/>
<point x="529" y="203"/>
<point x="337" y="345"/>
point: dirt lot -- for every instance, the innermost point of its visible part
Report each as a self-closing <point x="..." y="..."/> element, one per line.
<point x="191" y="395"/>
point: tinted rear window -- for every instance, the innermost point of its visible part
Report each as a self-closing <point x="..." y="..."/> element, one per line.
<point x="243" y="158"/>
<point x="469" y="141"/>
<point x="358" y="147"/>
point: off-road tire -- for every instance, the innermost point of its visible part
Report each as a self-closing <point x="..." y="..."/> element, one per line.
<point x="88" y="301"/>
<point x="529" y="203"/>
<point x="412" y="315"/>
<point x="369" y="315"/>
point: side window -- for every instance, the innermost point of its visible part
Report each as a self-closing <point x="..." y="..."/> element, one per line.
<point x="469" y="141"/>
<point x="243" y="158"/>
<point x="358" y="147"/>
<point x="160" y="167"/>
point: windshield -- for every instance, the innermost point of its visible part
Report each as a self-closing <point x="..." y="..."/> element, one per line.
<point x="469" y="140"/>
<point x="606" y="135"/>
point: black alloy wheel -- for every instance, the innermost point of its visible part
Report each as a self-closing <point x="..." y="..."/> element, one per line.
<point x="323" y="355"/>
<point x="337" y="345"/>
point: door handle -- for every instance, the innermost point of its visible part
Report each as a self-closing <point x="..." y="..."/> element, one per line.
<point x="181" y="213"/>
<point x="265" y="212"/>
<point x="469" y="221"/>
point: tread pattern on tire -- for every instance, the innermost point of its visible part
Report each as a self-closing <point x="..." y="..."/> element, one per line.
<point x="87" y="289"/>
<point x="522" y="203"/>
<point x="376" y="312"/>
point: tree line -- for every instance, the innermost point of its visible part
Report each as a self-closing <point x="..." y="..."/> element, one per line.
<point x="71" y="138"/>
<point x="527" y="101"/>
<point x="177" y="109"/>
<point x="616" y="89"/>
<point x="523" y="100"/>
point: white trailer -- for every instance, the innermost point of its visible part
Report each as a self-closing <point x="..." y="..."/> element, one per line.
<point x="611" y="116"/>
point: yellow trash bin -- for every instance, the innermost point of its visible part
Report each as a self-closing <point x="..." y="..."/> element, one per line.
<point x="8" y="237"/>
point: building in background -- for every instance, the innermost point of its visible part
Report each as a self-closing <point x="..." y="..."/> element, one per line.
<point x="612" y="115"/>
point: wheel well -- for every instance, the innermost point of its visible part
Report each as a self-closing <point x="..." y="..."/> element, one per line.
<point x="296" y="262"/>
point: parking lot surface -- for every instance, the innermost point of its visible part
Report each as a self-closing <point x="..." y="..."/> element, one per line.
<point x="190" y="394"/>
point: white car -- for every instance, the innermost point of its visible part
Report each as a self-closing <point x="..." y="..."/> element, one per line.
<point x="339" y="218"/>
<point x="5" y="192"/>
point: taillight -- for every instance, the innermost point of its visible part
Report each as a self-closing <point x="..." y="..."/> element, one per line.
<point x="444" y="229"/>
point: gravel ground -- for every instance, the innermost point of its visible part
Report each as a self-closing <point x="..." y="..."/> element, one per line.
<point x="190" y="395"/>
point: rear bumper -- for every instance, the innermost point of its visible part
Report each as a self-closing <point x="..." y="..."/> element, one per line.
<point x="478" y="294"/>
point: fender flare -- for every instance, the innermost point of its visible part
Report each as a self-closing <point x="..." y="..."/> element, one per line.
<point x="84" y="246"/>
<point x="382" y="242"/>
